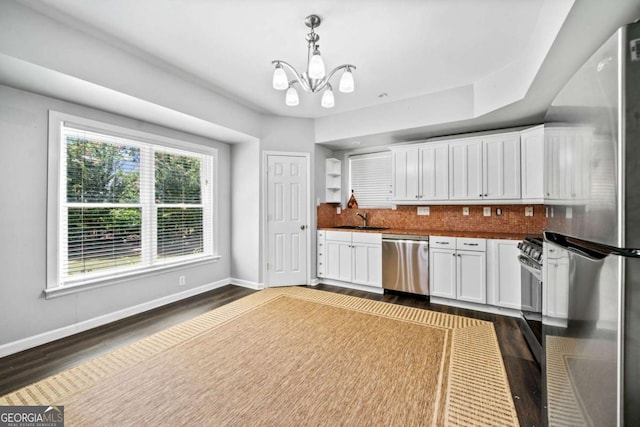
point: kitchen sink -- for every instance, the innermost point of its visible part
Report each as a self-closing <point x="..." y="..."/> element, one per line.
<point x="360" y="227"/>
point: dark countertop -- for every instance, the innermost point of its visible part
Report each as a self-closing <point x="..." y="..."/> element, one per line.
<point x="473" y="234"/>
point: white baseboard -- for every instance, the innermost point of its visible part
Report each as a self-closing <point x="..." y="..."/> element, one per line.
<point x="314" y="282"/>
<point x="45" y="337"/>
<point x="477" y="307"/>
<point x="350" y="285"/>
<point x="246" y="284"/>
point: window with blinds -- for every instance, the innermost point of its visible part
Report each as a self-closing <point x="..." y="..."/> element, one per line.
<point x="129" y="205"/>
<point x="370" y="179"/>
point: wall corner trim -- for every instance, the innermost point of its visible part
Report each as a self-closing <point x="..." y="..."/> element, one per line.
<point x="246" y="284"/>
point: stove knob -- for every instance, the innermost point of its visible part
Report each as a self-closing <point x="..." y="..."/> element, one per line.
<point x="535" y="254"/>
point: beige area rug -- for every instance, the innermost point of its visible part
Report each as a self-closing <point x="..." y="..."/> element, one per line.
<point x="581" y="382"/>
<point x="293" y="356"/>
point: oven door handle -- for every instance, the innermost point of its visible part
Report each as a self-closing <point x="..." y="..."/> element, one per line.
<point x="524" y="262"/>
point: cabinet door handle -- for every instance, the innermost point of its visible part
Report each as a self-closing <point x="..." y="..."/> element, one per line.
<point x="479" y="195"/>
<point x="442" y="243"/>
<point x="460" y="256"/>
<point x="486" y="195"/>
<point x="453" y="254"/>
<point x="470" y="244"/>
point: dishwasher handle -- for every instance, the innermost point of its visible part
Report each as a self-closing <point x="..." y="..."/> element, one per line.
<point x="404" y="241"/>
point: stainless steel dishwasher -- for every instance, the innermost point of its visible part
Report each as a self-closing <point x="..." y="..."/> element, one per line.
<point x="405" y="263"/>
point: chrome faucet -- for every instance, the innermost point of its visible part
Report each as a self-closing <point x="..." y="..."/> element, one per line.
<point x="364" y="219"/>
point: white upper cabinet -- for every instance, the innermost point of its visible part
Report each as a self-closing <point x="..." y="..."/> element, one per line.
<point x="566" y="152"/>
<point x="465" y="169"/>
<point x="434" y="172"/>
<point x="406" y="176"/>
<point x="485" y="168"/>
<point x="500" y="168"/>
<point x="421" y="173"/>
<point x="532" y="164"/>
<point x="501" y="165"/>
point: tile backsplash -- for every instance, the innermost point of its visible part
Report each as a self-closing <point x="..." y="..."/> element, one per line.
<point x="441" y="218"/>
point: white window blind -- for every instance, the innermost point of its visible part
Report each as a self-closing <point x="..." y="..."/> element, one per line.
<point x="370" y="179"/>
<point x="128" y="205"/>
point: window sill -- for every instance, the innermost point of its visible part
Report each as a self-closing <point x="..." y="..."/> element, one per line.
<point x="73" y="288"/>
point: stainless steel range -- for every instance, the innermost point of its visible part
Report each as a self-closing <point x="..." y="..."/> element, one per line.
<point x="531" y="293"/>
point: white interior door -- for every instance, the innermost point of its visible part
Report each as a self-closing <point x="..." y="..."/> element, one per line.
<point x="287" y="227"/>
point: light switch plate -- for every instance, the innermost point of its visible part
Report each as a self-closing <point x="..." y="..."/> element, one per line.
<point x="465" y="211"/>
<point x="338" y="210"/>
<point x="486" y="211"/>
<point x="528" y="211"/>
<point x="424" y="210"/>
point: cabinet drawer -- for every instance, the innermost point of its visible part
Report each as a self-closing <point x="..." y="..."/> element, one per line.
<point x="442" y="242"/>
<point x="469" y="244"/>
<point x="340" y="236"/>
<point x="372" y="238"/>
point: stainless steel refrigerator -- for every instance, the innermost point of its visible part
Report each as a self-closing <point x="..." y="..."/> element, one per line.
<point x="591" y="264"/>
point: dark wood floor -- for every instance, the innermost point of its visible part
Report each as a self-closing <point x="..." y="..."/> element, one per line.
<point x="35" y="364"/>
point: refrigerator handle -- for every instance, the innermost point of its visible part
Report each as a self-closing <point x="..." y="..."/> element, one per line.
<point x="595" y="251"/>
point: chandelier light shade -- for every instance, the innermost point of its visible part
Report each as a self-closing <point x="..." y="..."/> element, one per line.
<point x="291" y="98"/>
<point x="280" y="81"/>
<point x="316" y="66"/>
<point x="346" y="81"/>
<point x="314" y="78"/>
<point x="328" y="100"/>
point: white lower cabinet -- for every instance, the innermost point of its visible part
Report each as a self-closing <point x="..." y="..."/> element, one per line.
<point x="321" y="255"/>
<point x="458" y="268"/>
<point x="504" y="274"/>
<point x="442" y="272"/>
<point x="555" y="302"/>
<point x="354" y="257"/>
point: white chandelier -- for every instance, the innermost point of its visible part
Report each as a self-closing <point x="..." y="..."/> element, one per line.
<point x="314" y="79"/>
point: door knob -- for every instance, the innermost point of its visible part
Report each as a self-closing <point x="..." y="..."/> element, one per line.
<point x="302" y="227"/>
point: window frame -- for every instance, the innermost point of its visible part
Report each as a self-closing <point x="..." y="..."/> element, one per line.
<point x="56" y="236"/>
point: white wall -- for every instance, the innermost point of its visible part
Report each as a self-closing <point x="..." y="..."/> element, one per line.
<point x="23" y="218"/>
<point x="288" y="134"/>
<point x="245" y="218"/>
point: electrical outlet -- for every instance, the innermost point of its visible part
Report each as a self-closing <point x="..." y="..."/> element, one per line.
<point x="338" y="210"/>
<point x="465" y="211"/>
<point x="182" y="280"/>
<point x="498" y="211"/>
<point x="424" y="210"/>
<point x="569" y="212"/>
<point x="486" y="211"/>
<point x="528" y="211"/>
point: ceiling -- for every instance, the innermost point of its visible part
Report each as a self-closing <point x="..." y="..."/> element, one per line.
<point x="403" y="48"/>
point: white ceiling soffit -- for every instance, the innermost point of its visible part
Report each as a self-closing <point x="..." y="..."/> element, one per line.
<point x="24" y="75"/>
<point x="405" y="48"/>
